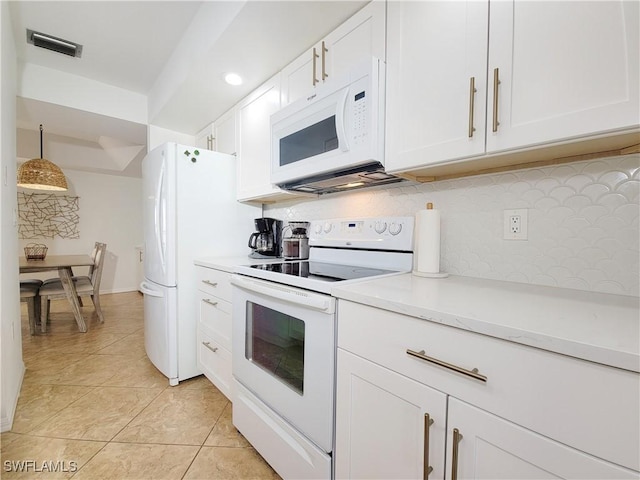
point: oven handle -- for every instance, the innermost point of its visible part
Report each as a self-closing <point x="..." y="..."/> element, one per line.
<point x="323" y="303"/>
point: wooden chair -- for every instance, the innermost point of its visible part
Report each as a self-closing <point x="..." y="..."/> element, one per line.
<point x="85" y="286"/>
<point x="29" y="293"/>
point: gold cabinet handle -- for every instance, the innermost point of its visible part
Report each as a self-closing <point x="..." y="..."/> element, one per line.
<point x="208" y="345"/>
<point x="315" y="55"/>
<point x="426" y="468"/>
<point x="496" y="82"/>
<point x="210" y="283"/>
<point x="324" y="63"/>
<point x="457" y="436"/>
<point x="470" y="373"/>
<point x="213" y="304"/>
<point x="472" y="101"/>
<point x="210" y="139"/>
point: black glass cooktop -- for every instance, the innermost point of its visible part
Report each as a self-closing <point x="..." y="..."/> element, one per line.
<point x="326" y="272"/>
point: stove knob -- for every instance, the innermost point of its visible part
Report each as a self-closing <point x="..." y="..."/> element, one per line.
<point x="318" y="228"/>
<point x="380" y="227"/>
<point x="395" y="228"/>
<point x="327" y="227"/>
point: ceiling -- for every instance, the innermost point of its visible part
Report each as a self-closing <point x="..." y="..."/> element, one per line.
<point x="151" y="48"/>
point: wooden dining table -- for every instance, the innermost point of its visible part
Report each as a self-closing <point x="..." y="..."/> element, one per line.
<point x="63" y="264"/>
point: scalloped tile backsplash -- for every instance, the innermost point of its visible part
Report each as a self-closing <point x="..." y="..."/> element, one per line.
<point x="582" y="222"/>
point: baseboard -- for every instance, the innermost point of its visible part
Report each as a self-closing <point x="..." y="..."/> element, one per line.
<point x="6" y="422"/>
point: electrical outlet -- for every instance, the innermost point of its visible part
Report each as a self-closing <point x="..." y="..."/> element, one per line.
<point x="515" y="224"/>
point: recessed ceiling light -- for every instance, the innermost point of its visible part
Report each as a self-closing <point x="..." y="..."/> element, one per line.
<point x="233" y="79"/>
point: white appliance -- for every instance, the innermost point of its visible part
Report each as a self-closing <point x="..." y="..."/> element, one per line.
<point x="334" y="137"/>
<point x="189" y="211"/>
<point x="284" y="322"/>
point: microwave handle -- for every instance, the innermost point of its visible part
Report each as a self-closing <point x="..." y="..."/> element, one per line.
<point x="340" y="123"/>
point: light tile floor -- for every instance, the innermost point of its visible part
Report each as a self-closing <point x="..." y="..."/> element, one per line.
<point x="92" y="406"/>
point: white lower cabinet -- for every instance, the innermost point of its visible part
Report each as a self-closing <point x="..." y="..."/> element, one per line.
<point x="481" y="445"/>
<point x="407" y="389"/>
<point x="389" y="426"/>
<point x="214" y="327"/>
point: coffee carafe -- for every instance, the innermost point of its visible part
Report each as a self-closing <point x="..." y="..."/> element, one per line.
<point x="296" y="245"/>
<point x="266" y="241"/>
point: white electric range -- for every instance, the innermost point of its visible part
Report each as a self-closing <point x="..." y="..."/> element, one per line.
<point x="284" y="324"/>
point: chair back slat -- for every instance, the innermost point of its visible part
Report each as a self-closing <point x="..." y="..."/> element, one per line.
<point x="96" y="273"/>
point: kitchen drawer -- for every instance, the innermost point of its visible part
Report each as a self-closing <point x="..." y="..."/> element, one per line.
<point x="214" y="282"/>
<point x="215" y="318"/>
<point x="215" y="362"/>
<point x="575" y="402"/>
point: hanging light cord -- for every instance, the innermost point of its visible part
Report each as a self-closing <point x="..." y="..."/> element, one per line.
<point x="41" y="156"/>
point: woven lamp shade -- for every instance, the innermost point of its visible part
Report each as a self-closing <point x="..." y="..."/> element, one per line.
<point x="41" y="174"/>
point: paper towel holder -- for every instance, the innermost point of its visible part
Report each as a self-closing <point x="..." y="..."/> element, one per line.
<point x="431" y="274"/>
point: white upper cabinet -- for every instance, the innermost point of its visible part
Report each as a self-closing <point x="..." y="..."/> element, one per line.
<point x="361" y="36"/>
<point x="224" y="133"/>
<point x="219" y="136"/>
<point x="205" y="137"/>
<point x="254" y="141"/>
<point x="436" y="81"/>
<point x="556" y="72"/>
<point x="565" y="69"/>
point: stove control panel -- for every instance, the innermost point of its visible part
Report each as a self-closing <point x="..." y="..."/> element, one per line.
<point x="375" y="233"/>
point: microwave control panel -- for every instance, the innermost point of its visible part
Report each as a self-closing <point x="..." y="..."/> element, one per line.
<point x="360" y="117"/>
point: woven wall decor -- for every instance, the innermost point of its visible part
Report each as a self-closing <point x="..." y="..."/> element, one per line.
<point x="47" y="216"/>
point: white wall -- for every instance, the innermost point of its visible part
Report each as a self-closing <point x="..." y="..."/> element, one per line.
<point x="10" y="332"/>
<point x="158" y="135"/>
<point x="110" y="212"/>
<point x="583" y="222"/>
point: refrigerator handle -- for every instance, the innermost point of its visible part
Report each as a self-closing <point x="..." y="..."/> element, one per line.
<point x="147" y="290"/>
<point x="159" y="213"/>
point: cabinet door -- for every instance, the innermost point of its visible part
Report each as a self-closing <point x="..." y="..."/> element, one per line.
<point x="205" y="137"/>
<point x="382" y="430"/>
<point x="297" y="78"/>
<point x="565" y="69"/>
<point x="492" y="448"/>
<point x="435" y="50"/>
<point x="254" y="142"/>
<point x="224" y="131"/>
<point x="360" y="37"/>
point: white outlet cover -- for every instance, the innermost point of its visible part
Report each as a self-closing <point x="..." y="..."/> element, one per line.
<point x="523" y="234"/>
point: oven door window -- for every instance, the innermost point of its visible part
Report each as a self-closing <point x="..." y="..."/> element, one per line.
<point x="275" y="342"/>
<point x="313" y="140"/>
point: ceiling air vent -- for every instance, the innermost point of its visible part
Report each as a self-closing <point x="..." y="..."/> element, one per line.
<point x="53" y="43"/>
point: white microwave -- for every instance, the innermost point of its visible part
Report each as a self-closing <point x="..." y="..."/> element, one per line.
<point x="334" y="138"/>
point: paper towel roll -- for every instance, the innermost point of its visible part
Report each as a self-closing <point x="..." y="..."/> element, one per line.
<point x="428" y="241"/>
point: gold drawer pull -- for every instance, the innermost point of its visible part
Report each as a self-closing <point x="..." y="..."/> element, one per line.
<point x="426" y="469"/>
<point x="208" y="345"/>
<point x="496" y="82"/>
<point x="470" y="373"/>
<point x="313" y="59"/>
<point x="457" y="436"/>
<point x="324" y="58"/>
<point x="210" y="283"/>
<point x="206" y="300"/>
<point x="472" y="97"/>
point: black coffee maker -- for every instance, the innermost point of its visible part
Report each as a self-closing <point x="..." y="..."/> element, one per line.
<point x="267" y="241"/>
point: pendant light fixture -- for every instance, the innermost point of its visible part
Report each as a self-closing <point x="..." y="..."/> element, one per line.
<point x="41" y="174"/>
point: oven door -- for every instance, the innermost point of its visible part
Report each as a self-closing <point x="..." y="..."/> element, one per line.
<point x="283" y="352"/>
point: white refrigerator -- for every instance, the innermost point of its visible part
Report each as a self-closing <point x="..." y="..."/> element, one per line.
<point x="190" y="210"/>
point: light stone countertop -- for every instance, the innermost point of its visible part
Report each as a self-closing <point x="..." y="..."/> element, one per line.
<point x="597" y="327"/>
<point x="592" y="326"/>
